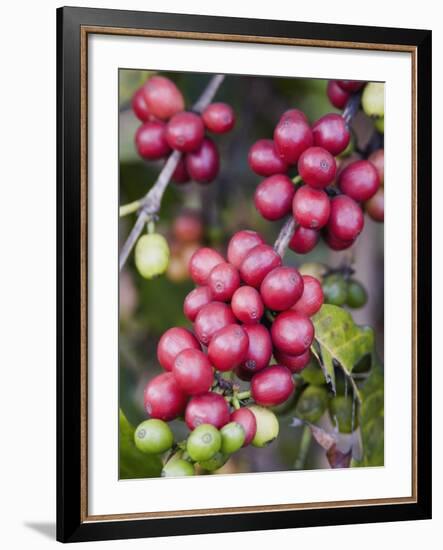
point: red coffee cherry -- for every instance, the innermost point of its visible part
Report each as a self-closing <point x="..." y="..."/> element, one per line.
<point x="163" y="98"/>
<point x="180" y="174"/>
<point x="312" y="298"/>
<point x="292" y="333"/>
<point x="294" y="113"/>
<point x="350" y="86"/>
<point x="163" y="397"/>
<point x="273" y="197"/>
<point x="342" y="163"/>
<point x="258" y="263"/>
<point x="219" y="118"/>
<point x="311" y="207"/>
<point x="223" y="281"/>
<point x="281" y="288"/>
<point x="346" y="218"/>
<point x="187" y="227"/>
<point x="272" y="386"/>
<point x="139" y="106"/>
<point x="228" y="347"/>
<point x="264" y="159"/>
<point x="203" y="164"/>
<point x="337" y="95"/>
<point x="202" y="263"/>
<point x="210" y="319"/>
<point x="317" y="167"/>
<point x="247" y="305"/>
<point x="185" y="132"/>
<point x="292" y="136"/>
<point x="193" y="371"/>
<point x="303" y="240"/>
<point x="195" y="300"/>
<point x="172" y="342"/>
<point x="331" y="133"/>
<point x="375" y="206"/>
<point x="295" y="363"/>
<point x="245" y="418"/>
<point x="243" y="374"/>
<point x="336" y="244"/>
<point x="150" y="140"/>
<point x="241" y="244"/>
<point x="377" y="158"/>
<point x="359" y="180"/>
<point x="207" y="408"/>
<point x="259" y="350"/>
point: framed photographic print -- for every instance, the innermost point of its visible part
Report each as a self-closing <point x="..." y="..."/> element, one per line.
<point x="244" y="334"/>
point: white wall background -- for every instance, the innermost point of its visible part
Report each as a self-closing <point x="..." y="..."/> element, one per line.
<point x="27" y="289"/>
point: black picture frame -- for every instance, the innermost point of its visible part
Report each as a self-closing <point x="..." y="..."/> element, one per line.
<point x="71" y="525"/>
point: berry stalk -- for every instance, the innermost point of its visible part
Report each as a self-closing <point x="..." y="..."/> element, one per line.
<point x="151" y="203"/>
<point x="285" y="235"/>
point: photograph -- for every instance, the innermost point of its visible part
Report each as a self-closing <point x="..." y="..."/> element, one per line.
<point x="251" y="274"/>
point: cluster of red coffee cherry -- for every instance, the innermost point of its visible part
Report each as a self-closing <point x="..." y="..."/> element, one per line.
<point x="322" y="202"/>
<point x="244" y="311"/>
<point x="166" y="126"/>
<point x="339" y="93"/>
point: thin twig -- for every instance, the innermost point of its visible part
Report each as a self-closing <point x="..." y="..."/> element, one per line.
<point x="351" y="107"/>
<point x="151" y="203"/>
<point x="284" y="237"/>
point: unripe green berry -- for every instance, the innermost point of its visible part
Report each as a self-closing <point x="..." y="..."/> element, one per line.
<point x="153" y="436"/>
<point x="312" y="374"/>
<point x="286" y="406"/>
<point x="335" y="290"/>
<point x="373" y="99"/>
<point x="151" y="255"/>
<point x="314" y="269"/>
<point x="340" y="410"/>
<point x="203" y="442"/>
<point x="312" y="404"/>
<point x="233" y="437"/>
<point x="215" y="462"/>
<point x="267" y="426"/>
<point x="357" y="295"/>
<point x="178" y="468"/>
<point x="379" y="124"/>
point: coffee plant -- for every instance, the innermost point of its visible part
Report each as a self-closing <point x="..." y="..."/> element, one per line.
<point x="263" y="339"/>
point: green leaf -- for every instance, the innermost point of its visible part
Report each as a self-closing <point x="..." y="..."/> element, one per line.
<point x="339" y="341"/>
<point x="372" y="419"/>
<point x="326" y="362"/>
<point x="133" y="463"/>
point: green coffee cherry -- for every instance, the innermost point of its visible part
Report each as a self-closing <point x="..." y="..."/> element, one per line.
<point x="203" y="442"/>
<point x="357" y="295"/>
<point x="286" y="406"/>
<point x="312" y="374"/>
<point x="267" y="426"/>
<point x="151" y="255"/>
<point x="233" y="437"/>
<point x="178" y="468"/>
<point x="314" y="269"/>
<point x="340" y="410"/>
<point x="153" y="436"/>
<point x="335" y="290"/>
<point x="373" y="99"/>
<point x="379" y="124"/>
<point x="215" y="462"/>
<point x="312" y="404"/>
